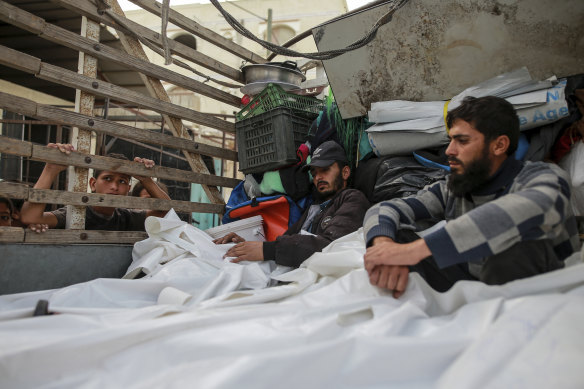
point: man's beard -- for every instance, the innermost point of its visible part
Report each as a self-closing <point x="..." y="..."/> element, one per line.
<point x="476" y="173"/>
<point x="323" y="196"/>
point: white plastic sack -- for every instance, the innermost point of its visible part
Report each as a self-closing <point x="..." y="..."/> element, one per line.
<point x="396" y="143"/>
<point x="537" y="103"/>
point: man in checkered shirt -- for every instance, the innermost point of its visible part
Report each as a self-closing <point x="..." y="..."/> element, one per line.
<point x="505" y="219"/>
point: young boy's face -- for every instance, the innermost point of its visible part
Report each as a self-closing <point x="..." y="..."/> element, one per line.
<point x="110" y="183"/>
<point x="5" y="217"/>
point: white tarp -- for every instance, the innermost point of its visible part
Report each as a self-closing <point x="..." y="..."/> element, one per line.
<point x="328" y="327"/>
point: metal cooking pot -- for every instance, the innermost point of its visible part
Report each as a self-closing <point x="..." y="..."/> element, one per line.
<point x="285" y="72"/>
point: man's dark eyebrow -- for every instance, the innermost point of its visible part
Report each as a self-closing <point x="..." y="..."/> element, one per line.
<point x="459" y="136"/>
<point x="111" y="174"/>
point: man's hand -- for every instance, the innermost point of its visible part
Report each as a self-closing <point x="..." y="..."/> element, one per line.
<point x="232" y="237"/>
<point x="55" y="169"/>
<point x="246" y="251"/>
<point x="387" y="252"/>
<point x="394" y="278"/>
<point x="148" y="163"/>
<point x="387" y="262"/>
<point x="38" y="228"/>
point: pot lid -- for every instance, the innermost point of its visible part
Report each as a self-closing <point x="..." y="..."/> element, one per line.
<point x="275" y="65"/>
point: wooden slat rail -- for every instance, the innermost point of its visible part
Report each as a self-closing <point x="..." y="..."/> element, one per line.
<point x="131" y="45"/>
<point x="106" y="89"/>
<point x="104" y="52"/>
<point x="96" y="162"/>
<point x="20" y="235"/>
<point x="11" y="234"/>
<point x="156" y="89"/>
<point x="57" y="115"/>
<point x="13" y="58"/>
<point x="195" y="28"/>
<point x="84" y="237"/>
<point x="25" y="20"/>
<point x="86" y="8"/>
<point x="49" y="196"/>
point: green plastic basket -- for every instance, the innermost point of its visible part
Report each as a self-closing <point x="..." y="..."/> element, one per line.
<point x="273" y="96"/>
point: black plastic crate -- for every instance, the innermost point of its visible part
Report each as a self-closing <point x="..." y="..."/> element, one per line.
<point x="269" y="141"/>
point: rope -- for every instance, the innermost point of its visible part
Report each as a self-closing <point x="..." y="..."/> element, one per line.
<point x="127" y="30"/>
<point x="324" y="55"/>
<point x="102" y="5"/>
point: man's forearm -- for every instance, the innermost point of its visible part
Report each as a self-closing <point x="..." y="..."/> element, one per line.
<point x="33" y="213"/>
<point x="155" y="193"/>
<point x="292" y="250"/>
<point x="47" y="177"/>
<point x="153" y="189"/>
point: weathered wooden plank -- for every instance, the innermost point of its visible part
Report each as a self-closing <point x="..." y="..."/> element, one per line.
<point x="104" y="52"/>
<point x="17" y="60"/>
<point x="96" y="162"/>
<point x="48" y="196"/>
<point x="127" y="132"/>
<point x="106" y="89"/>
<point x="27" y="107"/>
<point x="15" y="146"/>
<point x="82" y="160"/>
<point x="155" y="88"/>
<point x="88" y="9"/>
<point x="11" y="235"/>
<point x="195" y="28"/>
<point x="17" y="104"/>
<point x="83" y="237"/>
<point x="13" y="190"/>
<point x="13" y="15"/>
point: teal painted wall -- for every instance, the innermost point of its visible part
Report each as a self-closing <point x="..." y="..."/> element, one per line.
<point x="204" y="221"/>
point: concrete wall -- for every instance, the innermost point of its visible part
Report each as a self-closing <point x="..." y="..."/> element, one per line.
<point x="432" y="50"/>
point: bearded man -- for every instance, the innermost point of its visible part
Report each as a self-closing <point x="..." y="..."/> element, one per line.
<point x="505" y="219"/>
<point x="336" y="212"/>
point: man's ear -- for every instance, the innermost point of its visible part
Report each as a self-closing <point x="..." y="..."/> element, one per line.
<point x="346" y="172"/>
<point x="500" y="145"/>
<point x="92" y="183"/>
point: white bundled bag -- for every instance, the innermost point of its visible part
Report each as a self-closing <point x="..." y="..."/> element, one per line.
<point x="573" y="163"/>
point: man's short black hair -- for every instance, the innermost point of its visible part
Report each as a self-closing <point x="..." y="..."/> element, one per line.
<point x="342" y="164"/>
<point x="96" y="173"/>
<point x="491" y="116"/>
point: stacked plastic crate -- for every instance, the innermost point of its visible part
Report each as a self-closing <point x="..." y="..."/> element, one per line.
<point x="271" y="127"/>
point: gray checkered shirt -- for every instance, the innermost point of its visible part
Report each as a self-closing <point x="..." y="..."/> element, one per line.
<point x="521" y="202"/>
